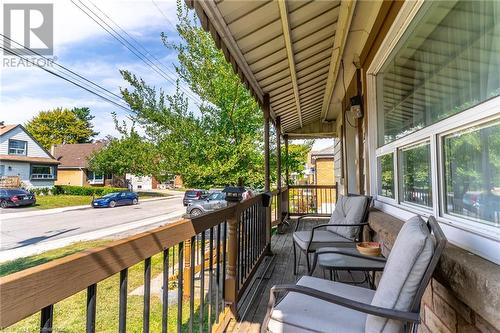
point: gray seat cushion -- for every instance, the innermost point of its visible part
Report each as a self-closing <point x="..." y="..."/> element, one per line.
<point x="405" y="267"/>
<point x="348" y="210"/>
<point x="301" y="313"/>
<point x="321" y="238"/>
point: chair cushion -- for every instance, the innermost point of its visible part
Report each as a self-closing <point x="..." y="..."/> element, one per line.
<point x="348" y="210"/>
<point x="302" y="313"/>
<point x="405" y="267"/>
<point x="321" y="238"/>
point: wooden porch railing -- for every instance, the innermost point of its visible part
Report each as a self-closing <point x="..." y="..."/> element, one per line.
<point x="311" y="199"/>
<point x="215" y="255"/>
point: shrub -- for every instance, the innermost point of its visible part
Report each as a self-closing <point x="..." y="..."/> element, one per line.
<point x="82" y="190"/>
<point x="40" y="190"/>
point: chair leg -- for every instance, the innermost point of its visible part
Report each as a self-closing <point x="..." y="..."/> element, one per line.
<point x="308" y="263"/>
<point x="295" y="263"/>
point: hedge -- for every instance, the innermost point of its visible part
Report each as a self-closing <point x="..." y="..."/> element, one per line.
<point x="84" y="190"/>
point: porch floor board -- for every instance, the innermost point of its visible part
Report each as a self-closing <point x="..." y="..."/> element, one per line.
<point x="280" y="271"/>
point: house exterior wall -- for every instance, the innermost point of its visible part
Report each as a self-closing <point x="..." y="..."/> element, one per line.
<point x="34" y="149"/>
<point x="324" y="174"/>
<point x="140" y="182"/>
<point x="73" y="177"/>
<point x="463" y="294"/>
<point x="23" y="171"/>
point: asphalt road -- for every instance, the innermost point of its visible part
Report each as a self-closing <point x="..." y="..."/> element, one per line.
<point x="16" y="233"/>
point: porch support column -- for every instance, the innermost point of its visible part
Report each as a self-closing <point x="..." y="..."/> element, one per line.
<point x="287" y="170"/>
<point x="278" y="168"/>
<point x="287" y="181"/>
<point x="267" y="175"/>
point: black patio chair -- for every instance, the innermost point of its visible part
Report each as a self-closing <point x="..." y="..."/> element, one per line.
<point x="317" y="305"/>
<point x="344" y="228"/>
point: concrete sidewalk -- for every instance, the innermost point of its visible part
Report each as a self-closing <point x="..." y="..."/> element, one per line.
<point x="118" y="231"/>
<point x="40" y="212"/>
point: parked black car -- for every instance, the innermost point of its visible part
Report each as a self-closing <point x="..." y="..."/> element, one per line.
<point x="15" y="197"/>
<point x="191" y="195"/>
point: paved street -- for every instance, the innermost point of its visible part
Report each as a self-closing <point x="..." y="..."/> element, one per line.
<point x="26" y="232"/>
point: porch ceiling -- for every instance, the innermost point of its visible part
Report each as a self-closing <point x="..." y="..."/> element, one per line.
<point x="291" y="50"/>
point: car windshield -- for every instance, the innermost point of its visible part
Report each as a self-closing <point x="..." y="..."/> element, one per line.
<point x="109" y="195"/>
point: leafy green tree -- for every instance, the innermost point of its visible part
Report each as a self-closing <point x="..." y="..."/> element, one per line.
<point x="129" y="154"/>
<point x="297" y="156"/>
<point x="85" y="115"/>
<point x="224" y="143"/>
<point x="59" y="126"/>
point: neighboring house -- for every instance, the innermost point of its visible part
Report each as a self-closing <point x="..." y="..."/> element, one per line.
<point x="74" y="169"/>
<point x="323" y="174"/>
<point x="137" y="183"/>
<point x="143" y="183"/>
<point x="23" y="157"/>
<point x="322" y="166"/>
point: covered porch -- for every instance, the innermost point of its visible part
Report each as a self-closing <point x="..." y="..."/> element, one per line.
<point x="316" y="69"/>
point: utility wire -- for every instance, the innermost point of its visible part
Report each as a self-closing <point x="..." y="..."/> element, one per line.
<point x="65" y="78"/>
<point x="23" y="51"/>
<point x="111" y="31"/>
<point x="158" y="61"/>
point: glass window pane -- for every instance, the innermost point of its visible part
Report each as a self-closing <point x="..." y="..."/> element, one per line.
<point x="17" y="147"/>
<point x="385" y="167"/>
<point x="472" y="173"/>
<point x="415" y="171"/>
<point x="446" y="63"/>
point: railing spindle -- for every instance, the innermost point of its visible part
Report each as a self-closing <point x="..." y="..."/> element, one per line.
<point x="46" y="319"/>
<point x="122" y="314"/>
<point x="164" y="317"/>
<point x="147" y="294"/>
<point x="210" y="279"/>
<point x="191" y="284"/>
<point x="217" y="274"/>
<point x="180" y="259"/>
<point x="202" y="282"/>
<point x="91" y="308"/>
<point x="224" y="259"/>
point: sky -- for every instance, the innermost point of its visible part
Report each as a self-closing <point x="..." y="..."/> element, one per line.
<point x="81" y="45"/>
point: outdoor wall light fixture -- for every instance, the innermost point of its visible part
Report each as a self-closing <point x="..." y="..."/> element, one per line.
<point x="356" y="107"/>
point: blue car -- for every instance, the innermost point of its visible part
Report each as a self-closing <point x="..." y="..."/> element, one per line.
<point x="116" y="199"/>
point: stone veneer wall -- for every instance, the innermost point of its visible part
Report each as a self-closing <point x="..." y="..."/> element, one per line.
<point x="464" y="294"/>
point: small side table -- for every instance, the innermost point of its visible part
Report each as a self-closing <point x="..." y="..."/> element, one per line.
<point x="336" y="259"/>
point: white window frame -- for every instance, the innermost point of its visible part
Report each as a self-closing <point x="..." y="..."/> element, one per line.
<point x="43" y="176"/>
<point x="94" y="180"/>
<point x="24" y="151"/>
<point x="476" y="237"/>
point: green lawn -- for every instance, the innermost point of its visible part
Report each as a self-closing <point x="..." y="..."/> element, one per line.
<point x="69" y="314"/>
<point x="64" y="200"/>
<point x="20" y="264"/>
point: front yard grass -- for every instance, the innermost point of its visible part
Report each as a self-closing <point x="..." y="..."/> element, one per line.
<point x="20" y="264"/>
<point x="66" y="200"/>
<point x="69" y="314"/>
<point x="63" y="200"/>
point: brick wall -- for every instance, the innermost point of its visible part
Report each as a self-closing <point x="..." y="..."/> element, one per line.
<point x="464" y="294"/>
<point x="442" y="312"/>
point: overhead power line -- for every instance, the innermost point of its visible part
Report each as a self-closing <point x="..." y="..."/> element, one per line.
<point x="61" y="76"/>
<point x="127" y="44"/>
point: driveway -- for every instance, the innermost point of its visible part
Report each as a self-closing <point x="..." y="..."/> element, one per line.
<point x="19" y="234"/>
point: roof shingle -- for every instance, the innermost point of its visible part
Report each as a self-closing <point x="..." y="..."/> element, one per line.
<point x="75" y="155"/>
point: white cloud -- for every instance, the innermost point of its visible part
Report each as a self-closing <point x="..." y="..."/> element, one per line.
<point x="71" y="25"/>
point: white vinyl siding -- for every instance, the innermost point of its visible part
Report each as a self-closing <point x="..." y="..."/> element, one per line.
<point x="34" y="149"/>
